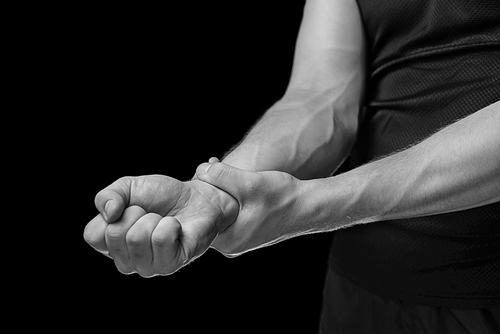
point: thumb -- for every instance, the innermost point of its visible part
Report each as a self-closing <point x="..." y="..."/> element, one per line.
<point x="112" y="200"/>
<point x="232" y="180"/>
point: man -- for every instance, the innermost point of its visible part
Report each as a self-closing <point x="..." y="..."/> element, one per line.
<point x="419" y="212"/>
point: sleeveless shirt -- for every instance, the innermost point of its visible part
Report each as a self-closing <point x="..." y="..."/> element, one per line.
<point x="430" y="63"/>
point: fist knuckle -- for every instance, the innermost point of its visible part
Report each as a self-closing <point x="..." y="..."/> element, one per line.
<point x="125" y="182"/>
<point x="113" y="233"/>
<point x="91" y="236"/>
<point x="159" y="240"/>
<point x="134" y="240"/>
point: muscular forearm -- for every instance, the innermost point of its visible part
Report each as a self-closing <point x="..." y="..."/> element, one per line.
<point x="455" y="169"/>
<point x="299" y="135"/>
<point x="310" y="131"/>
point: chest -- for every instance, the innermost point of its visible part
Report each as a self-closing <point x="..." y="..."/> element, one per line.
<point x="403" y="27"/>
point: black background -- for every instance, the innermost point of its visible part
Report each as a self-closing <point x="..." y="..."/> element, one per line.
<point x="144" y="89"/>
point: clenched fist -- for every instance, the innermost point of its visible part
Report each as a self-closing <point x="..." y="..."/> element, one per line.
<point x="154" y="225"/>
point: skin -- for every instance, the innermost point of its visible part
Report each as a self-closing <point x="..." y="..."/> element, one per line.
<point x="455" y="169"/>
<point x="274" y="185"/>
<point x="154" y="225"/>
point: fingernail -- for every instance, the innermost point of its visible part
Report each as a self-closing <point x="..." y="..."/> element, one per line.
<point x="203" y="168"/>
<point x="106" y="208"/>
<point x="207" y="168"/>
<point x="213" y="159"/>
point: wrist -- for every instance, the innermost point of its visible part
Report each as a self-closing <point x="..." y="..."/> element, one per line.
<point x="228" y="206"/>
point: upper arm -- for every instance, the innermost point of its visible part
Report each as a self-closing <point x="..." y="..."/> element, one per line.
<point x="329" y="61"/>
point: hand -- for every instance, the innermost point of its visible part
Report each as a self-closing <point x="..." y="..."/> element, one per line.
<point x="271" y="209"/>
<point x="154" y="225"/>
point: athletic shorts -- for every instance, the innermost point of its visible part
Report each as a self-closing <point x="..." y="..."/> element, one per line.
<point x="348" y="309"/>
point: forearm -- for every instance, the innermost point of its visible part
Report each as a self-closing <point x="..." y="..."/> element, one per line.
<point x="300" y="135"/>
<point x="310" y="131"/>
<point x="455" y="169"/>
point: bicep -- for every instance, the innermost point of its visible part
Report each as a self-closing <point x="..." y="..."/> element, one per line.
<point x="329" y="60"/>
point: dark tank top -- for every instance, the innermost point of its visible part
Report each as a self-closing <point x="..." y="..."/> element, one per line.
<point x="430" y="63"/>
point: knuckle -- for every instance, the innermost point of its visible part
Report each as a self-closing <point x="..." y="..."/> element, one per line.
<point x="252" y="184"/>
<point x="91" y="236"/>
<point x="113" y="232"/>
<point x="166" y="233"/>
<point x="159" y="240"/>
<point x="141" y="232"/>
<point x="249" y="185"/>
<point x="134" y="239"/>
<point x="124" y="183"/>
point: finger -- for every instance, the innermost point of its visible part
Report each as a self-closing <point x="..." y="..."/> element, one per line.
<point x="167" y="251"/>
<point x="210" y="161"/>
<point x="112" y="200"/>
<point x="115" y="237"/>
<point x="139" y="244"/>
<point x="236" y="182"/>
<point x="94" y="234"/>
